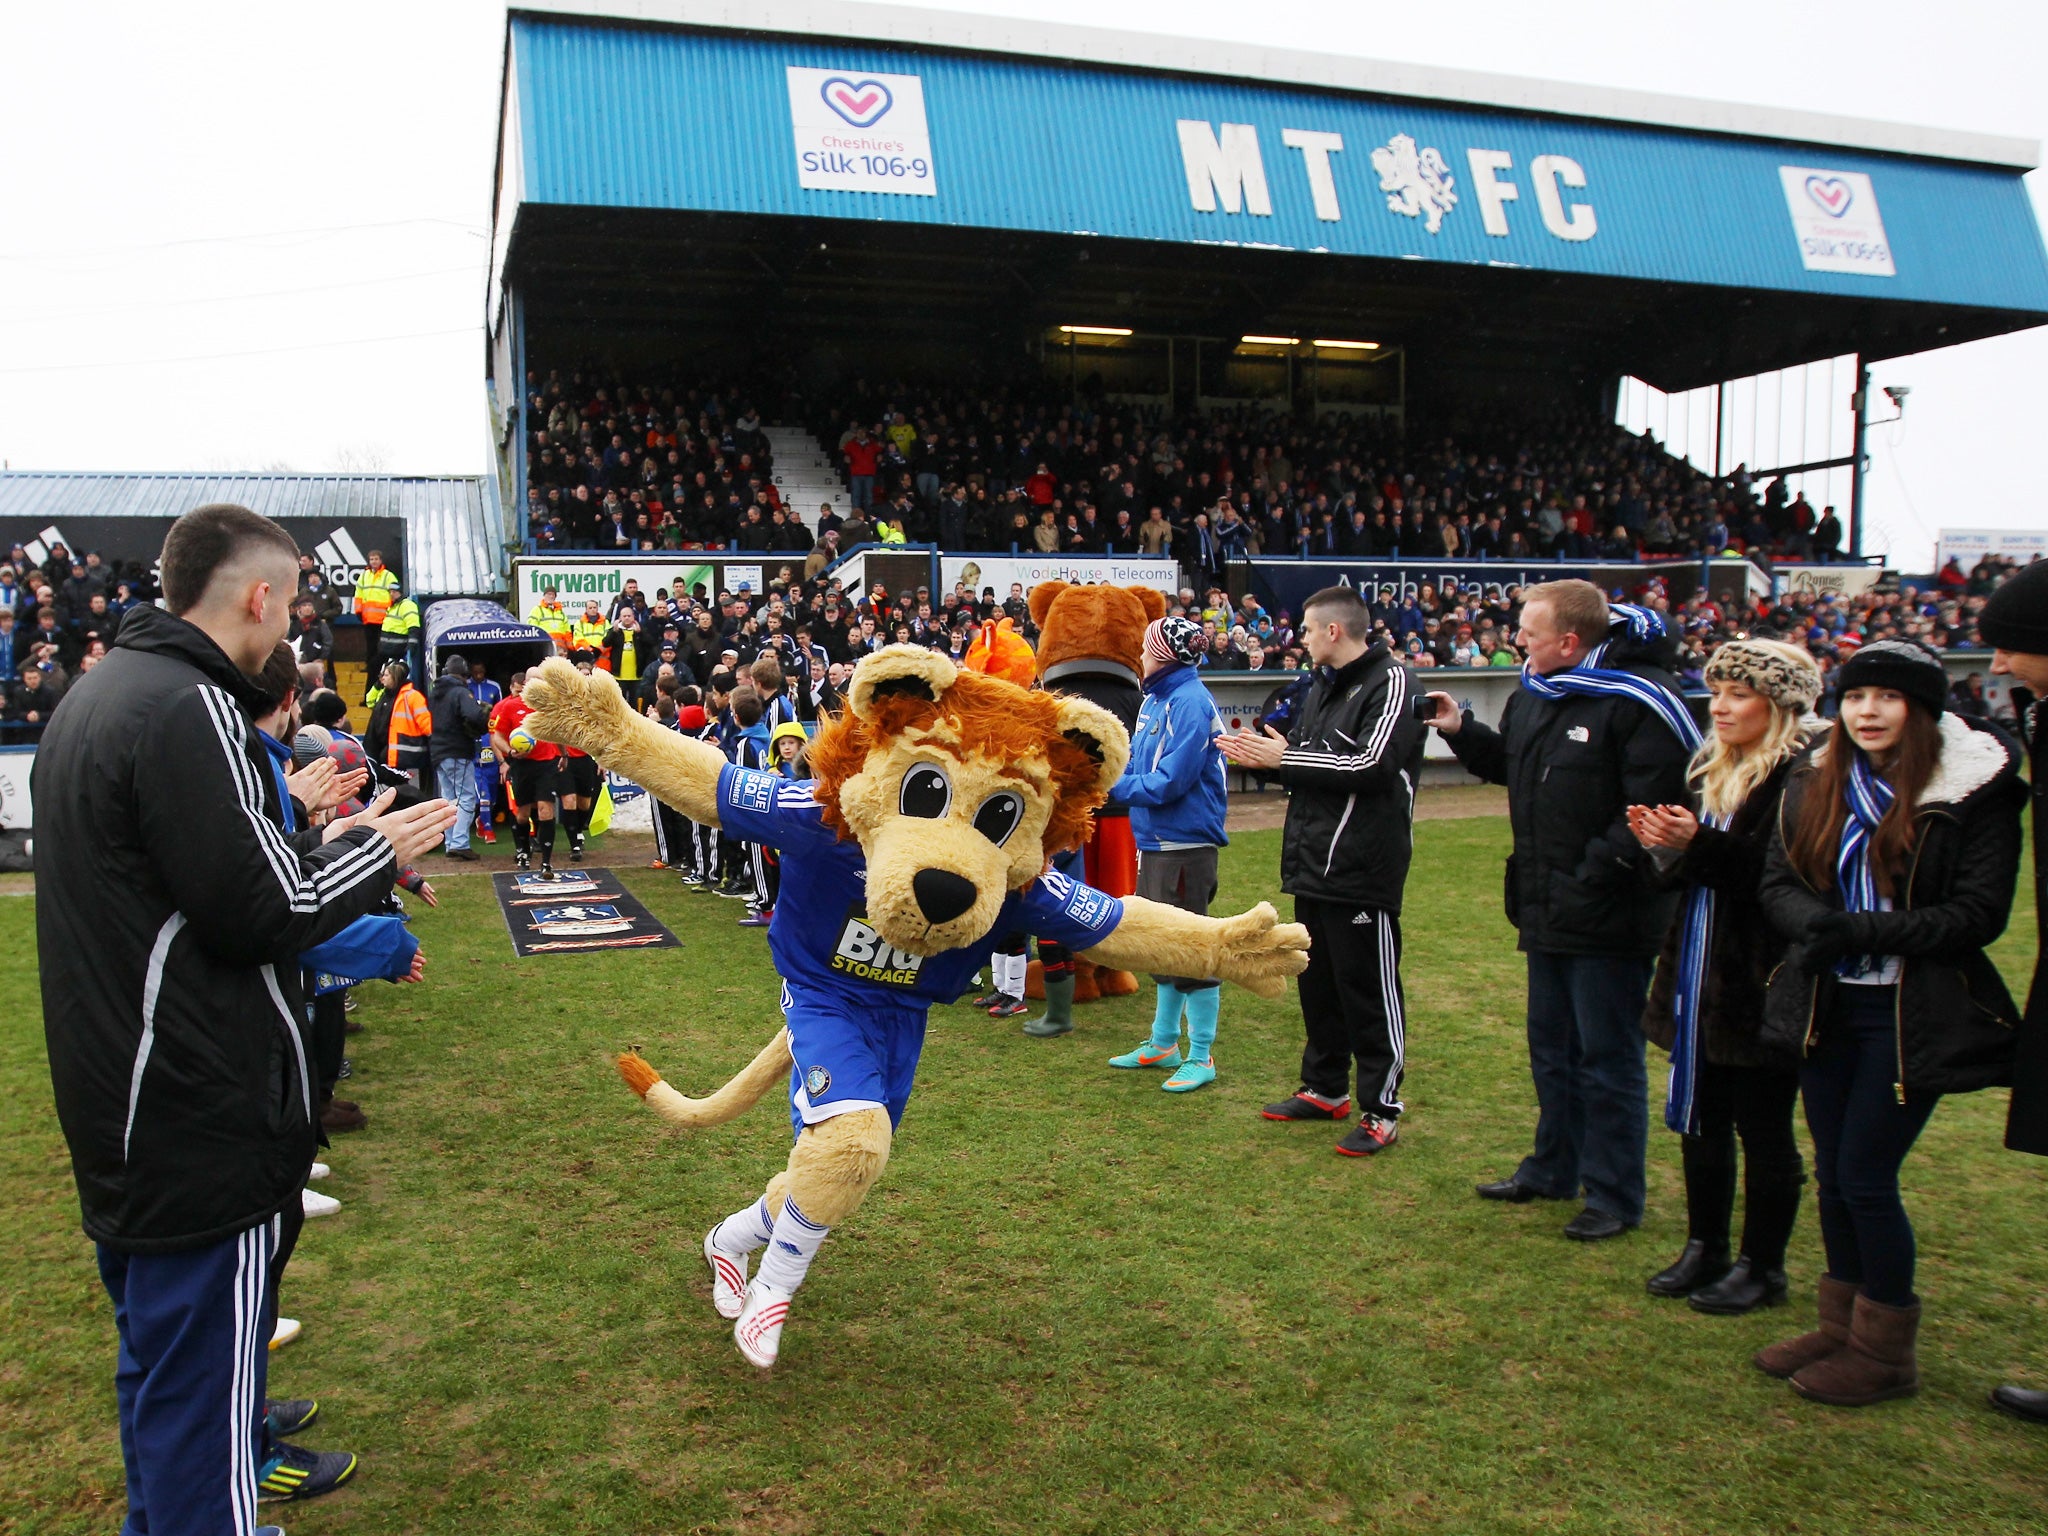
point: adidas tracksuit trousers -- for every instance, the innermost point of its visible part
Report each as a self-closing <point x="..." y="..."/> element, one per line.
<point x="1352" y="1006"/>
<point x="194" y="1354"/>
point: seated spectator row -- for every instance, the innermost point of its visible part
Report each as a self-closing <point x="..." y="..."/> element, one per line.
<point x="625" y="465"/>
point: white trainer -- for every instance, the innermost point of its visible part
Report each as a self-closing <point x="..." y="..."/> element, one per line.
<point x="317" y="1204"/>
<point x="759" y="1330"/>
<point x="319" y="1171"/>
<point x="286" y="1330"/>
<point x="728" y="1277"/>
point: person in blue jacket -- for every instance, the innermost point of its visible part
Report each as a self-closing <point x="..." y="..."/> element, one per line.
<point x="1175" y="789"/>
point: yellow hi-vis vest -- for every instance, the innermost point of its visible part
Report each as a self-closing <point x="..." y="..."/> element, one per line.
<point x="373" y="594"/>
<point x="550" y="618"/>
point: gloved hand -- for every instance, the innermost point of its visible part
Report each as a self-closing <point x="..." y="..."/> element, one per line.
<point x="1828" y="937"/>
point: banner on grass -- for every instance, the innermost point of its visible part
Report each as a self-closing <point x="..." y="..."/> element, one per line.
<point x="575" y="911"/>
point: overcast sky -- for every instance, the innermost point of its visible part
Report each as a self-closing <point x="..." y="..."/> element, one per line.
<point x="235" y="235"/>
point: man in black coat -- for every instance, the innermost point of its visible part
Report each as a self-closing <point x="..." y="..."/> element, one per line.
<point x="2015" y="623"/>
<point x="459" y="722"/>
<point x="169" y="922"/>
<point x="1580" y="889"/>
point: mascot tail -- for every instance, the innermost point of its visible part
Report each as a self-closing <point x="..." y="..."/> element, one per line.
<point x="738" y="1096"/>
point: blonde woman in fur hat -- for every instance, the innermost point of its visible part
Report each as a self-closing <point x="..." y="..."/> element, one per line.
<point x="1707" y="1003"/>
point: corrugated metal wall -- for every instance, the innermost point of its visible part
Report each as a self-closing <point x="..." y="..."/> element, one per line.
<point x="625" y="117"/>
<point x="450" y="543"/>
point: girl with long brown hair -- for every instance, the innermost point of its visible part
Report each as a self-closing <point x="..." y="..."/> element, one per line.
<point x="1893" y="866"/>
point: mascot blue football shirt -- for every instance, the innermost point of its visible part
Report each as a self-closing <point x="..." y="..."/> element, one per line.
<point x="821" y="937"/>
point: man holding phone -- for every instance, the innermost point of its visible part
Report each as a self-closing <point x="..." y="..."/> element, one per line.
<point x="1351" y="758"/>
<point x="1597" y="726"/>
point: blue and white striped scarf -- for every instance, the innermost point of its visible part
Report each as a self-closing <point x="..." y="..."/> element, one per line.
<point x="1696" y="941"/>
<point x="1589" y="678"/>
<point x="1869" y="798"/>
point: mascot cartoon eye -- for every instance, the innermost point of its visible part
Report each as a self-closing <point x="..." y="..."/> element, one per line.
<point x="927" y="793"/>
<point x="998" y="816"/>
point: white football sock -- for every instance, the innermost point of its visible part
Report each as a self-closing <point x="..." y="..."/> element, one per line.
<point x="744" y="1230"/>
<point x="788" y="1257"/>
<point x="1013" y="981"/>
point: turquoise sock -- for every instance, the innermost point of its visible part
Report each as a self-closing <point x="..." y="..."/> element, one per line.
<point x="1204" y="1004"/>
<point x="1166" y="1020"/>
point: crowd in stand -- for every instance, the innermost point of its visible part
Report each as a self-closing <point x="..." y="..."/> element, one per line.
<point x="618" y="465"/>
<point x="817" y="626"/>
<point x="57" y="619"/>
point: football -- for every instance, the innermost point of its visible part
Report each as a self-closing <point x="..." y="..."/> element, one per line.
<point x="522" y="741"/>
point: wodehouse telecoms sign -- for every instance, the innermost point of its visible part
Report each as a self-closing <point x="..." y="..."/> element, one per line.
<point x="1287" y="584"/>
<point x="783" y="125"/>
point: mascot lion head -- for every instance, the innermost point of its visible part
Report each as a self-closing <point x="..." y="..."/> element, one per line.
<point x="959" y="789"/>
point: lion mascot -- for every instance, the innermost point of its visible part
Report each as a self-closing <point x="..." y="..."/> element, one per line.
<point x="1090" y="646"/>
<point x="940" y="797"/>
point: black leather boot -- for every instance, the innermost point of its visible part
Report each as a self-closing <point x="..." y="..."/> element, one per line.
<point x="1698" y="1265"/>
<point x="1744" y="1288"/>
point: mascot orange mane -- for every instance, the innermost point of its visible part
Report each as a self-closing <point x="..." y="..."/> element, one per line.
<point x="940" y="799"/>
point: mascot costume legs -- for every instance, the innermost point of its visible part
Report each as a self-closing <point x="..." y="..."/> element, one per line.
<point x="939" y="799"/>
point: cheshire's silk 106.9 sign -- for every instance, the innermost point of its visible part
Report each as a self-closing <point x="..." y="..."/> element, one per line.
<point x="1835" y="217"/>
<point x="860" y="132"/>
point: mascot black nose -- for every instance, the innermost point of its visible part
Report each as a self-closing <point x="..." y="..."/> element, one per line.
<point x="941" y="894"/>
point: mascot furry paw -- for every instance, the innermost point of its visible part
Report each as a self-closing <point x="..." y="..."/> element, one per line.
<point x="940" y="796"/>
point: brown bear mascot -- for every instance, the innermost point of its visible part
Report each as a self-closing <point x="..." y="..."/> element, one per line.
<point x="1090" y="646"/>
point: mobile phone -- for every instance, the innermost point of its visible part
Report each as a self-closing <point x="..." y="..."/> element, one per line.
<point x="1424" y="707"/>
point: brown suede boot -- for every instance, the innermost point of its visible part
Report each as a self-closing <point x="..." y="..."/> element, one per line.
<point x="1837" y="1303"/>
<point x="1877" y="1366"/>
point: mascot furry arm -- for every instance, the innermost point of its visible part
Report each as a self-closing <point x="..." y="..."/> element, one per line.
<point x="939" y="797"/>
<point x="1253" y="949"/>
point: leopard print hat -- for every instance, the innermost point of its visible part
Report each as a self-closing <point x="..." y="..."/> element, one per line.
<point x="1782" y="673"/>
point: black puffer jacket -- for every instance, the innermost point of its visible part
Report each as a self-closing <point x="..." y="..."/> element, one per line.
<point x="169" y="921"/>
<point x="2026" y="1124"/>
<point x="1956" y="1018"/>
<point x="1107" y="686"/>
<point x="1353" y="759"/>
<point x="458" y="720"/>
<point x="1578" y="882"/>
<point x="1745" y="947"/>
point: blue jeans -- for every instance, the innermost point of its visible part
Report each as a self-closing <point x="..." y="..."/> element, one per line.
<point x="861" y="491"/>
<point x="1586" y="1055"/>
<point x="1861" y="1134"/>
<point x="455" y="778"/>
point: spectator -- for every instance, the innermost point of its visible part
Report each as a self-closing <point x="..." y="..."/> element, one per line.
<point x="1880" y="1041"/>
<point x="457" y="721"/>
<point x="2015" y="621"/>
<point x="1351" y="757"/>
<point x="1596" y="727"/>
<point x="179" y="888"/>
<point x="1706" y="1005"/>
<point x="1175" y="790"/>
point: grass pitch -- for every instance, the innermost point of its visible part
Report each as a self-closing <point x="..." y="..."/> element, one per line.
<point x="1074" y="1304"/>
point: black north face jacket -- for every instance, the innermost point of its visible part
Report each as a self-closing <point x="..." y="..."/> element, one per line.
<point x="170" y="912"/>
<point x="1578" y="883"/>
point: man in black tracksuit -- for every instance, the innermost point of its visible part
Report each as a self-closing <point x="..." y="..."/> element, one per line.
<point x="170" y="913"/>
<point x="1350" y="759"/>
<point x="1579" y="888"/>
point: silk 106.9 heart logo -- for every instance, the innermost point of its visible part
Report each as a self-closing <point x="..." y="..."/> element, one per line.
<point x="1830" y="194"/>
<point x="862" y="103"/>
